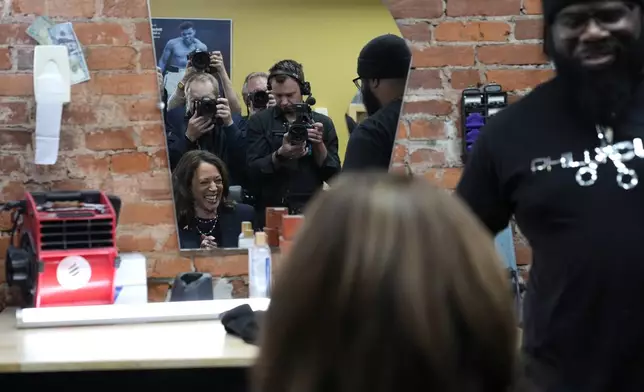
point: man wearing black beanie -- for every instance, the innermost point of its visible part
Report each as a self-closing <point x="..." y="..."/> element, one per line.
<point x="383" y="66"/>
<point x="565" y="161"/>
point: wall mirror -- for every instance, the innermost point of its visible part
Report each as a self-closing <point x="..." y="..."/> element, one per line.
<point x="214" y="58"/>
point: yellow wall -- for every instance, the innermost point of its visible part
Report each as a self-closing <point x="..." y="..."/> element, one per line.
<point x="324" y="35"/>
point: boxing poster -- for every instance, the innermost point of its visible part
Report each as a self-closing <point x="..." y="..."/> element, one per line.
<point x="176" y="38"/>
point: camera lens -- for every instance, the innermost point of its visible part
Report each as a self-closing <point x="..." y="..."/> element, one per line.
<point x="259" y="99"/>
<point x="201" y="60"/>
<point x="206" y="107"/>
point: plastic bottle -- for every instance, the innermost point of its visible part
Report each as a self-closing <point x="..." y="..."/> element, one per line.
<point x="246" y="237"/>
<point x="259" y="267"/>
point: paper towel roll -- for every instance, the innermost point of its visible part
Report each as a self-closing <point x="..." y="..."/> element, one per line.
<point x="48" y="119"/>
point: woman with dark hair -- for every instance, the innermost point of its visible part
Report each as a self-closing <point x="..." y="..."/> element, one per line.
<point x="205" y="216"/>
<point x="391" y="285"/>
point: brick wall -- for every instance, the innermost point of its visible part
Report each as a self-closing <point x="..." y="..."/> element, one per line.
<point x="457" y="44"/>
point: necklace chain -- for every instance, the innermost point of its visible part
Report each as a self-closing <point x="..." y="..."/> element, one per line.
<point x="212" y="228"/>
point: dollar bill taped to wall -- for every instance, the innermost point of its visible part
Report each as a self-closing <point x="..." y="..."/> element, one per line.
<point x="45" y="32"/>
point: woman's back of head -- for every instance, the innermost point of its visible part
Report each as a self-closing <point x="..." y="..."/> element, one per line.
<point x="391" y="284"/>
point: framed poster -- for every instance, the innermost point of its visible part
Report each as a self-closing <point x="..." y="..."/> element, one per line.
<point x="175" y="38"/>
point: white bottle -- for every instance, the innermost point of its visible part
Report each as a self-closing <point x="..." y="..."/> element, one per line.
<point x="259" y="267"/>
<point x="246" y="238"/>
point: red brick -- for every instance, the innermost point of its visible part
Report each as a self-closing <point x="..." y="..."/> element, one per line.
<point x="12" y="190"/>
<point x="142" y="32"/>
<point x="5" y="59"/>
<point x="89" y="166"/>
<point x="157" y="292"/>
<point x="442" y="56"/>
<point x="472" y="31"/>
<point x="159" y="159"/>
<point x="70" y="185"/>
<point x="433" y="107"/>
<point x="72" y="8"/>
<point x="483" y="7"/>
<point x="402" y="132"/>
<point x="9" y="164"/>
<point x="427" y="156"/>
<point x="418" y="31"/>
<point x="146" y="58"/>
<point x="79" y="112"/>
<point x="167" y="266"/>
<point x="16" y="85"/>
<point x="444" y="178"/>
<point x="14" y="139"/>
<point x="528" y="29"/>
<point x="511" y="54"/>
<point x="532" y="7"/>
<point x="523" y="254"/>
<point x="427" y="9"/>
<point x="28" y="7"/>
<point x="518" y="79"/>
<point x="142" y="109"/>
<point x="101" y="34"/>
<point x="125" y="8"/>
<point x="110" y="139"/>
<point x="427" y="129"/>
<point x="15" y="34"/>
<point x="155" y="186"/>
<point x="464" y="78"/>
<point x="111" y="58"/>
<point x="130" y="162"/>
<point x="399" y="153"/>
<point x="153" y="135"/>
<point x="25" y="58"/>
<point x="136" y="242"/>
<point x="14" y="113"/>
<point x="125" y="84"/>
<point x="424" y="78"/>
<point x="227" y="265"/>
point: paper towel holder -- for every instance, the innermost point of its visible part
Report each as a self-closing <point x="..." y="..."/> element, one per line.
<point x="52" y="89"/>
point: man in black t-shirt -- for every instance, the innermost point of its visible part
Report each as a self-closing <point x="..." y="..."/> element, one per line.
<point x="566" y="161"/>
<point x="383" y="66"/>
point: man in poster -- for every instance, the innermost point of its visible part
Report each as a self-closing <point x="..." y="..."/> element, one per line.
<point x="174" y="59"/>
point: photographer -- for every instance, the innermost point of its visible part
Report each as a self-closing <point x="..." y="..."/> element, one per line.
<point x="201" y="62"/>
<point x="256" y="97"/>
<point x="208" y="126"/>
<point x="292" y="150"/>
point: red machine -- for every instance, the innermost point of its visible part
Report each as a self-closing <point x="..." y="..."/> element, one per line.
<point x="63" y="248"/>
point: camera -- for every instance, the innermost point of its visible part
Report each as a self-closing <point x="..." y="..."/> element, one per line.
<point x="259" y="99"/>
<point x="200" y="60"/>
<point x="298" y="130"/>
<point x="206" y="107"/>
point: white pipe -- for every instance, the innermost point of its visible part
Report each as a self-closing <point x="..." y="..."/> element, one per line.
<point x="131" y="313"/>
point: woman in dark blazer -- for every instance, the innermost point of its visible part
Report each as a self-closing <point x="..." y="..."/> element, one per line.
<point x="205" y="216"/>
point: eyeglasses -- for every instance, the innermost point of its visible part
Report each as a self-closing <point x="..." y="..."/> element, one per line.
<point x="358" y="82"/>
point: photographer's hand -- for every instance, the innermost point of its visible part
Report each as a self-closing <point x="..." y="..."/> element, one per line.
<point x="208" y="242"/>
<point x="197" y="126"/>
<point x="217" y="63"/>
<point x="223" y="112"/>
<point x="316" y="137"/>
<point x="292" y="151"/>
<point x="271" y="100"/>
<point x="316" y="133"/>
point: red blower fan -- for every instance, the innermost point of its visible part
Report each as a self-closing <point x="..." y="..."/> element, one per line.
<point x="63" y="248"/>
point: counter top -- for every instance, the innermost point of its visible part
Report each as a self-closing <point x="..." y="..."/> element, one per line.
<point x="192" y="344"/>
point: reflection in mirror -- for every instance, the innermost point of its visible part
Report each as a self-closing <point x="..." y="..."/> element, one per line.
<point x="255" y="105"/>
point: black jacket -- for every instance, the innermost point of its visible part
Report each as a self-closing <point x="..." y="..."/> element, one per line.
<point x="230" y="220"/>
<point x="584" y="307"/>
<point x="289" y="186"/>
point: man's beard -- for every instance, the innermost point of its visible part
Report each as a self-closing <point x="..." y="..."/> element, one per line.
<point x="369" y="100"/>
<point x="601" y="95"/>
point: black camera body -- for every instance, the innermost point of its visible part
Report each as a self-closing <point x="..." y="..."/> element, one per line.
<point x="200" y="60"/>
<point x="259" y="99"/>
<point x="298" y="130"/>
<point x="207" y="107"/>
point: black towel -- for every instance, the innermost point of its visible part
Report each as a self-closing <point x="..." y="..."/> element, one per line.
<point x="243" y="322"/>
